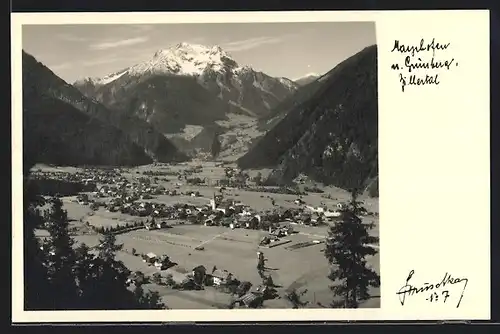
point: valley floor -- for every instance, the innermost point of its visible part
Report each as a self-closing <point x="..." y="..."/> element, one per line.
<point x="235" y="250"/>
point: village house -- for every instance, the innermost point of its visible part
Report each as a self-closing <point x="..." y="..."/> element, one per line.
<point x="331" y="214"/>
<point x="136" y="278"/>
<point x="149" y="258"/>
<point x="250" y="300"/>
<point x="104" y="190"/>
<point x="161" y="224"/>
<point x="316" y="219"/>
<point x="249" y="222"/>
<point x="304" y="218"/>
<point x="162" y="262"/>
<point x="211" y="220"/>
<point x="83" y="199"/>
<point x="221" y="277"/>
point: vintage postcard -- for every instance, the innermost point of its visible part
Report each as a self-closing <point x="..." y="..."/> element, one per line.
<point x="264" y="166"/>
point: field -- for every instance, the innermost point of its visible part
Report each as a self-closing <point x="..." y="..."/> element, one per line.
<point x="235" y="250"/>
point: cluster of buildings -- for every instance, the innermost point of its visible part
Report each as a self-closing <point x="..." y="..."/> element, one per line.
<point x="200" y="277"/>
<point x="88" y="177"/>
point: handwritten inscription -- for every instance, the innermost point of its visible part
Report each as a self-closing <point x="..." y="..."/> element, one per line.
<point x="433" y="292"/>
<point x="420" y="65"/>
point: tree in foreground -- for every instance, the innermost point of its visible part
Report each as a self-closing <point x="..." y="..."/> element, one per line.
<point x="216" y="146"/>
<point x="148" y="300"/>
<point x="59" y="275"/>
<point x="347" y="247"/>
<point x="60" y="256"/>
<point x="295" y="298"/>
<point x="37" y="290"/>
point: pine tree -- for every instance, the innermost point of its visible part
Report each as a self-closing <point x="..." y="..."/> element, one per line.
<point x="60" y="257"/>
<point x="85" y="274"/>
<point x="148" y="300"/>
<point x="37" y="290"/>
<point x="110" y="283"/>
<point x="108" y="247"/>
<point x="347" y="247"/>
<point x="294" y="297"/>
<point x="216" y="146"/>
<point x="60" y="277"/>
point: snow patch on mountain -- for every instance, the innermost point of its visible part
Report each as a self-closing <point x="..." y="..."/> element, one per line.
<point x="308" y="75"/>
<point x="102" y="81"/>
<point x="288" y="83"/>
<point x="185" y="59"/>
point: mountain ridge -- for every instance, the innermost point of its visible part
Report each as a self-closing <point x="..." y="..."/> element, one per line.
<point x="307" y="78"/>
<point x="330" y="134"/>
<point x="188" y="84"/>
<point x="48" y="84"/>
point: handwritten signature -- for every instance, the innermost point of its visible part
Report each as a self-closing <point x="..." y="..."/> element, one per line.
<point x="410" y="290"/>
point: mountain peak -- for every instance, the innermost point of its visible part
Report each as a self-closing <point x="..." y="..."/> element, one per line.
<point x="185" y="59"/>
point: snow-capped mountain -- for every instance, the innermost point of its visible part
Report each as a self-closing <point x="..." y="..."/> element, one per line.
<point x="307" y="78"/>
<point x="188" y="84"/>
<point x="241" y="88"/>
<point x="185" y="59"/>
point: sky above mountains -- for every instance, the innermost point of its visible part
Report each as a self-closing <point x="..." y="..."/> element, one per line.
<point x="289" y="50"/>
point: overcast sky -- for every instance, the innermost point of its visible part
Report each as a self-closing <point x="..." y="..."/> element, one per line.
<point x="279" y="49"/>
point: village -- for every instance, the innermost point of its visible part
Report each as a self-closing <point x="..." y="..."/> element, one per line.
<point x="207" y="235"/>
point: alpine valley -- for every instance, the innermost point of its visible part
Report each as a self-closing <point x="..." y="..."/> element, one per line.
<point x="190" y="93"/>
<point x="173" y="106"/>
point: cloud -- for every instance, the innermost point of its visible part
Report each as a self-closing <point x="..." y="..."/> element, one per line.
<point x="119" y="43"/>
<point x="100" y="61"/>
<point x="61" y="66"/>
<point x="71" y="38"/>
<point x="250" y="43"/>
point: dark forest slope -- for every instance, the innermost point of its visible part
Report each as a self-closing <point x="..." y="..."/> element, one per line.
<point x="56" y="133"/>
<point x="39" y="81"/>
<point x="333" y="135"/>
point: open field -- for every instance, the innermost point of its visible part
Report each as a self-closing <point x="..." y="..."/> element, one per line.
<point x="233" y="250"/>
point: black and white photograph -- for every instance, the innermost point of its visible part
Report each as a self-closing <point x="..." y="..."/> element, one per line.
<point x="200" y="166"/>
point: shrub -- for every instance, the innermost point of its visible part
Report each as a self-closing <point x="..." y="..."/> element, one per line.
<point x="373" y="189"/>
<point x="169" y="280"/>
<point x="156" y="278"/>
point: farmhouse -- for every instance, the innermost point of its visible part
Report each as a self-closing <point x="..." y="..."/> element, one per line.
<point x="162" y="262"/>
<point x="332" y="214"/>
<point x="136" y="278"/>
<point x="150" y="258"/>
<point x="211" y="220"/>
<point x="221" y="277"/>
<point x="250" y="300"/>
